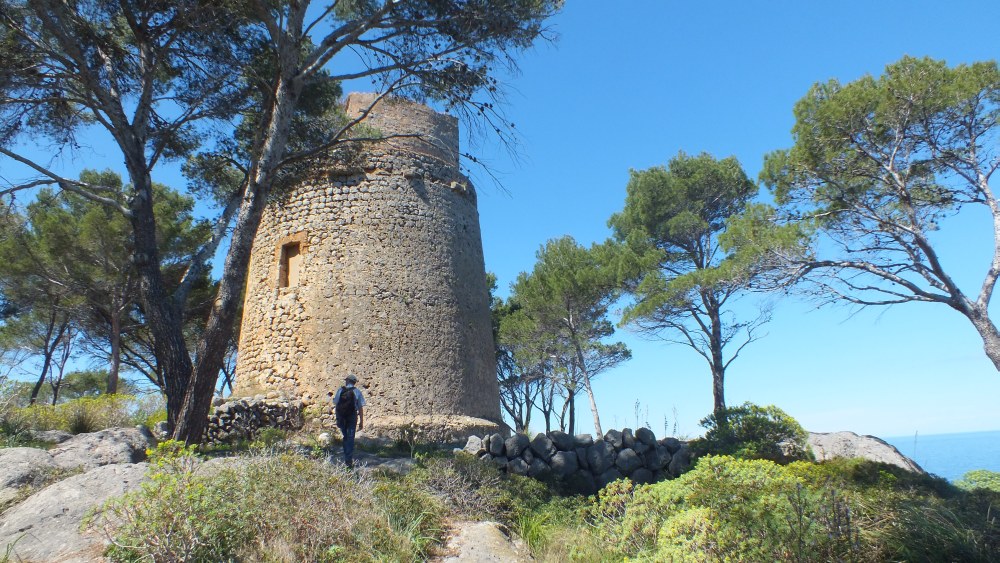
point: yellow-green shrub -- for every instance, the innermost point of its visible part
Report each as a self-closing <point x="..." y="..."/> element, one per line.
<point x="90" y="414"/>
<point x="269" y="508"/>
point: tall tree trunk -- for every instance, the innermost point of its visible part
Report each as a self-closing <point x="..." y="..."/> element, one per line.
<point x="163" y="316"/>
<point x="49" y="348"/>
<point x="988" y="332"/>
<point x="588" y="387"/>
<point x="718" y="365"/>
<point x="572" y="416"/>
<point x="219" y="329"/>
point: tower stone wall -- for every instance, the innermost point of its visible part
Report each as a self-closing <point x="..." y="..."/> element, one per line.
<point x="377" y="269"/>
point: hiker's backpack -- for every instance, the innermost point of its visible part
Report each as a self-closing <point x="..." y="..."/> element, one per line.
<point x="346" y="407"/>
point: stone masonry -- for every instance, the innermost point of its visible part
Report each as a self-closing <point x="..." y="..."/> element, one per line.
<point x="376" y="268"/>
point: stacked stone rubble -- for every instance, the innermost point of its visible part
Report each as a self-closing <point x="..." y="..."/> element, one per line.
<point x="244" y="418"/>
<point x="583" y="462"/>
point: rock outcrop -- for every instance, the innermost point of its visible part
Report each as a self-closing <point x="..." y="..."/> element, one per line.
<point x="829" y="445"/>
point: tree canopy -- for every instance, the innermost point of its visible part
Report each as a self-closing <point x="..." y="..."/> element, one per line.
<point x="225" y="81"/>
<point x="878" y="166"/>
<point x="683" y="277"/>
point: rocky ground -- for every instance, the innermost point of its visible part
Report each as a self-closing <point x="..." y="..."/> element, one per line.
<point x="46" y="494"/>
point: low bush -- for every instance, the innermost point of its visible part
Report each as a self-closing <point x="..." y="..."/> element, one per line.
<point x="980" y="479"/>
<point x="750" y="431"/>
<point x="756" y="510"/>
<point x="267" y="508"/>
<point x="89" y="414"/>
<point x="474" y="489"/>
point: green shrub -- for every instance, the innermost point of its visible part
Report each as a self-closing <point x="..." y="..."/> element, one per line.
<point x="478" y="490"/>
<point x="753" y="432"/>
<point x="90" y="414"/>
<point x="980" y="479"/>
<point x="269" y="508"/>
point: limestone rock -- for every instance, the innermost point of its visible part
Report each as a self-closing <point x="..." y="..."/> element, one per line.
<point x="562" y="441"/>
<point x="543" y="447"/>
<point x="680" y="461"/>
<point x="517" y="466"/>
<point x="614" y="437"/>
<point x="51" y="436"/>
<point x="641" y="476"/>
<point x="474" y="446"/>
<point x="672" y="444"/>
<point x="564" y="463"/>
<point x="608" y="476"/>
<point x="516" y="444"/>
<point x="22" y="467"/>
<point x="628" y="439"/>
<point x="111" y="446"/>
<point x="646" y="436"/>
<point x="496" y="444"/>
<point x="848" y="444"/>
<point x="600" y="457"/>
<point x="628" y="461"/>
<point x="538" y="469"/>
<point x="657" y="458"/>
<point x="46" y="526"/>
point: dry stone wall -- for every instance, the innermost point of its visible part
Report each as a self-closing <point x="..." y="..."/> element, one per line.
<point x="377" y="269"/>
<point x="584" y="463"/>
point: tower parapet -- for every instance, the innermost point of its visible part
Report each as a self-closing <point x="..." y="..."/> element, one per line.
<point x="377" y="270"/>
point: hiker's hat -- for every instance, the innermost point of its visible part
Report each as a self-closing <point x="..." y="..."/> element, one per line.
<point x="352" y="378"/>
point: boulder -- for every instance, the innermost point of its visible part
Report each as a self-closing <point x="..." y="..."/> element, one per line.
<point x="646" y="436"/>
<point x="516" y="444"/>
<point x="641" y="476"/>
<point x="51" y="436"/>
<point x="538" y="469"/>
<point x="583" y="440"/>
<point x="628" y="439"/>
<point x="848" y="444"/>
<point x="608" y="476"/>
<point x="581" y="482"/>
<point x="613" y="437"/>
<point x="496" y="444"/>
<point x="527" y="456"/>
<point x="564" y="463"/>
<point x="23" y="467"/>
<point x="641" y="448"/>
<point x="657" y="458"/>
<point x="46" y="526"/>
<point x="107" y="447"/>
<point x="672" y="444"/>
<point x="600" y="457"/>
<point x="562" y="441"/>
<point x="680" y="461"/>
<point x="474" y="446"/>
<point x="581" y="458"/>
<point x="543" y="447"/>
<point x="517" y="466"/>
<point x="628" y="461"/>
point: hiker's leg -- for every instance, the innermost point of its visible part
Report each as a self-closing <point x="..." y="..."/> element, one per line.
<point x="350" y="426"/>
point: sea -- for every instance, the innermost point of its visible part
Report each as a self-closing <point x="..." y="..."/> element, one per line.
<point x="951" y="455"/>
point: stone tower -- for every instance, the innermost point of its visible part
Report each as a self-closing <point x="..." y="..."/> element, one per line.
<point x="377" y="269"/>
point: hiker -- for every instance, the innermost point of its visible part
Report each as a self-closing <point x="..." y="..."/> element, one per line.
<point x="348" y="405"/>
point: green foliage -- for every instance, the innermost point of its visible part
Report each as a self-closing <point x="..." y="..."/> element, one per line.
<point x="753" y="432"/>
<point x="980" y="479"/>
<point x="268" y="508"/>
<point x="475" y="489"/>
<point x="90" y="414"/>
<point x="729" y="509"/>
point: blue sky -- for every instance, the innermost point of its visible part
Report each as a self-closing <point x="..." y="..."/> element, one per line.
<point x="629" y="87"/>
